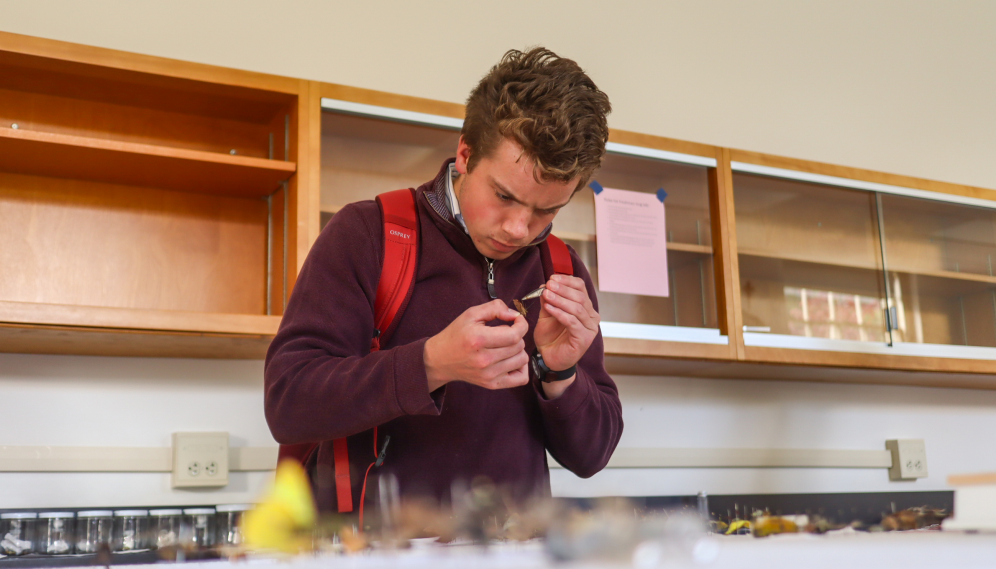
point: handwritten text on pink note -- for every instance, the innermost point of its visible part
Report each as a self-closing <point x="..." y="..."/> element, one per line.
<point x="631" y="242"/>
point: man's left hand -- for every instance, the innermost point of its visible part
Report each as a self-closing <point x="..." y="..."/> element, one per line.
<point x="567" y="323"/>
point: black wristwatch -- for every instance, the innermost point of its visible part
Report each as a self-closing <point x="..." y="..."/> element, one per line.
<point x="546" y="374"/>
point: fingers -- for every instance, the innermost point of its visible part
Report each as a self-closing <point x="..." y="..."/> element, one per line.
<point x="486" y="337"/>
<point x="565" y="301"/>
<point x="575" y="328"/>
<point x="494" y="310"/>
<point x="510" y="372"/>
<point x="519" y="376"/>
<point x="491" y="337"/>
<point x="494" y="356"/>
<point x="570" y="288"/>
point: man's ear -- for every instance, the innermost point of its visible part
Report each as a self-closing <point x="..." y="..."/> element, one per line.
<point x="462" y="156"/>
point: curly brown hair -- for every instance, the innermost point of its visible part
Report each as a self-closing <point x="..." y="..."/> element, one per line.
<point x="548" y="106"/>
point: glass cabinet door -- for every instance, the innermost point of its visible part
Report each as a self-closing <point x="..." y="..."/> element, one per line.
<point x="940" y="259"/>
<point x="364" y="156"/>
<point x="810" y="260"/>
<point x="692" y="300"/>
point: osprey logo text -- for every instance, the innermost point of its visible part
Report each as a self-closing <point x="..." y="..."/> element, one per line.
<point x="400" y="234"/>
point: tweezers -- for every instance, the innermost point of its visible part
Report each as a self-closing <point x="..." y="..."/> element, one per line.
<point x="535" y="294"/>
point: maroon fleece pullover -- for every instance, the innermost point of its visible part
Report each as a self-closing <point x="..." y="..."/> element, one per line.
<point x="322" y="381"/>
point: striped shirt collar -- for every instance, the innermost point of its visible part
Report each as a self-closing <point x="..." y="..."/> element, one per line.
<point x="451" y="199"/>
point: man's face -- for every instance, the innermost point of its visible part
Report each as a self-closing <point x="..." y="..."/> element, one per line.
<point x="503" y="205"/>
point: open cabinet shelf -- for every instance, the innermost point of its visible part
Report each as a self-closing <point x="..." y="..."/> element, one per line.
<point x="68" y="315"/>
<point x="144" y="165"/>
<point x="148" y="207"/>
<point x="88" y="330"/>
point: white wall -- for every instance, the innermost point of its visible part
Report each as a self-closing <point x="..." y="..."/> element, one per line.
<point x="901" y="86"/>
<point x="703" y="413"/>
<point x="125" y="402"/>
<point x="96" y="401"/>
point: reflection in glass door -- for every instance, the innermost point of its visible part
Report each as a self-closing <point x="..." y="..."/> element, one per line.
<point x="692" y="303"/>
<point x="810" y="260"/>
<point x="941" y="274"/>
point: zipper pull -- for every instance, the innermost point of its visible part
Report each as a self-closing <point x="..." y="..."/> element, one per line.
<point x="491" y="279"/>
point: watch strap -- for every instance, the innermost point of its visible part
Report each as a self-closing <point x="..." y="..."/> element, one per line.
<point x="547" y="375"/>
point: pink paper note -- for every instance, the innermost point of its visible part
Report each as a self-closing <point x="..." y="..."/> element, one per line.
<point x="631" y="242"/>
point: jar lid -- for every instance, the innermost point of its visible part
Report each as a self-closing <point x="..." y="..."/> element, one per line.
<point x="175" y="512"/>
<point x="130" y="513"/>
<point x="94" y="514"/>
<point x="18" y="516"/>
<point x="48" y="515"/>
<point x="234" y="507"/>
<point x="198" y="511"/>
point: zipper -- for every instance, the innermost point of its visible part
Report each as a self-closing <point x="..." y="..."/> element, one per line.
<point x="491" y="278"/>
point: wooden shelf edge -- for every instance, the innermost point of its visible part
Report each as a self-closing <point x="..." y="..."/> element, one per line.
<point x="830" y="262"/>
<point x="661" y="143"/>
<point x="81" y="341"/>
<point x="127" y="61"/>
<point x="835" y="359"/>
<point x="689" y="248"/>
<point x="773" y="161"/>
<point x="116" y="162"/>
<point x="629" y="347"/>
<point x="671" y="245"/>
<point x="148" y="150"/>
<point x="31" y="313"/>
<point x="391" y="100"/>
<point x="758" y="371"/>
<point x="984" y="478"/>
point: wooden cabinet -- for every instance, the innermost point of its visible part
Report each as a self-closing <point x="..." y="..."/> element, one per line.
<point x="852" y="269"/>
<point x="147" y="206"/>
<point x="364" y="155"/>
<point x="832" y="263"/>
<point x="369" y="148"/>
<point x="153" y="207"/>
<point x="685" y="323"/>
<point x="810" y="260"/>
<point x="939" y="260"/>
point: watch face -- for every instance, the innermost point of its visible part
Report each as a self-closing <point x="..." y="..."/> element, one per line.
<point x="534" y="361"/>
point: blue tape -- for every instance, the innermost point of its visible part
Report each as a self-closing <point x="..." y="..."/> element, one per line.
<point x="596" y="187"/>
<point x="661" y="194"/>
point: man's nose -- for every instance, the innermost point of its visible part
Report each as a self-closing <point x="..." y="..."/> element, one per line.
<point x="516" y="225"/>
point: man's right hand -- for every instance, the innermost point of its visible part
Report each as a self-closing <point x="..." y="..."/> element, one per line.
<point x="493" y="357"/>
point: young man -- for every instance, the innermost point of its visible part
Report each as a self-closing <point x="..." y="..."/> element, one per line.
<point x="453" y="386"/>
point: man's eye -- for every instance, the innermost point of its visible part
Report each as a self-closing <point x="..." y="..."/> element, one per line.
<point x="503" y="197"/>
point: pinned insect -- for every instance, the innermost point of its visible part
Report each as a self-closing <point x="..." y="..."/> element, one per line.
<point x="522" y="307"/>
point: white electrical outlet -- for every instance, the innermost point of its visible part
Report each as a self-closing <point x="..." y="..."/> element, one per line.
<point x="200" y="459"/>
<point x="909" y="459"/>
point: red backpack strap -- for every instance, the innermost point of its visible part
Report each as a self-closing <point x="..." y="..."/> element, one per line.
<point x="397" y="274"/>
<point x="343" y="485"/>
<point x="397" y="278"/>
<point x="556" y="257"/>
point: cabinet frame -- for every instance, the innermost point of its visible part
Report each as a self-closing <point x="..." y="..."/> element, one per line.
<point x="294" y="212"/>
<point x="28" y="327"/>
<point x="718" y="191"/>
<point x="627" y="352"/>
<point x="959" y="194"/>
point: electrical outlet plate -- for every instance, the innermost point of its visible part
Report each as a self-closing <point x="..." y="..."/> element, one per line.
<point x="200" y="459"/>
<point x="909" y="459"/>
